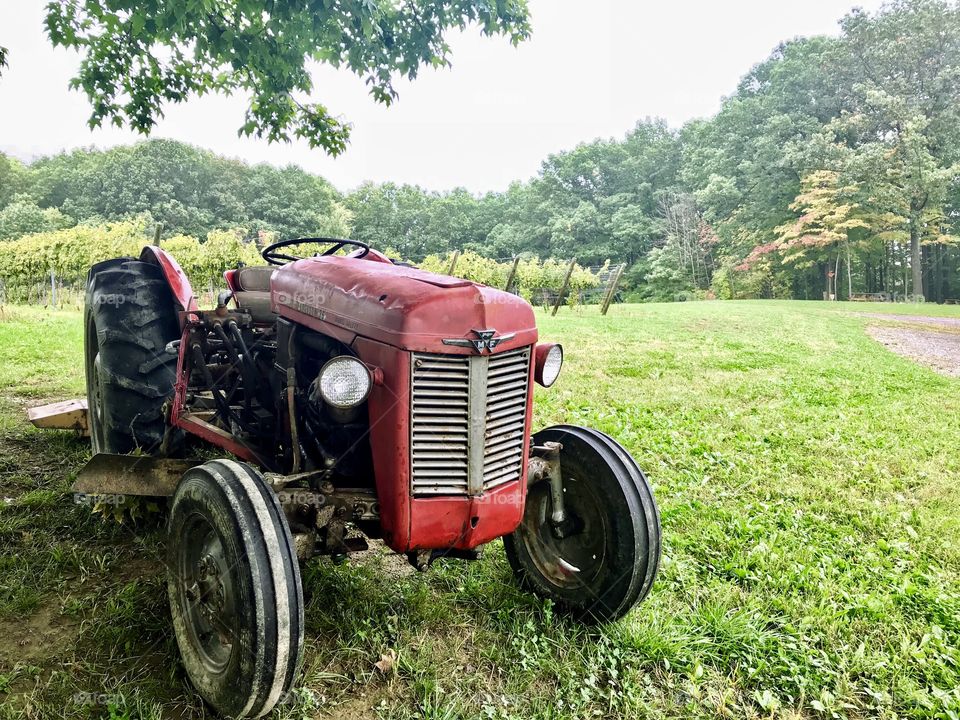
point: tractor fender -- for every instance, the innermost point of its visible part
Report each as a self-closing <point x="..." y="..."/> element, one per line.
<point x="174" y="275"/>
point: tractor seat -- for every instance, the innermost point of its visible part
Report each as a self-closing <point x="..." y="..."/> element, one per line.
<point x="253" y="293"/>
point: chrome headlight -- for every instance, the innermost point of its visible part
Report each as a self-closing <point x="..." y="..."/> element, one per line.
<point x="549" y="360"/>
<point x="345" y="382"/>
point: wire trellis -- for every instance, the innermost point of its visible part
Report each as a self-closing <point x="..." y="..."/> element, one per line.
<point x="52" y="291"/>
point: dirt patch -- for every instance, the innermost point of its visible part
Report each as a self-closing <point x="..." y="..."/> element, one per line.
<point x="939" y="351"/>
<point x="39" y="637"/>
<point x="363" y="707"/>
<point x="391" y="564"/>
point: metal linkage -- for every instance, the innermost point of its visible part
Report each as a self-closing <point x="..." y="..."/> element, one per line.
<point x="544" y="465"/>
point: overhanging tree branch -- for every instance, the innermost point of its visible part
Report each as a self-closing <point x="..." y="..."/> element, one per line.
<point x="137" y="57"/>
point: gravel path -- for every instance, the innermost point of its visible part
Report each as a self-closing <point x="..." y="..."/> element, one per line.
<point x="937" y="350"/>
<point x="950" y="322"/>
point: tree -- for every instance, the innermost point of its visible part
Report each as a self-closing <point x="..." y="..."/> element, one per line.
<point x="690" y="239"/>
<point x="138" y="56"/>
<point x="599" y="200"/>
<point x="13" y="179"/>
<point x="745" y="164"/>
<point x="902" y="177"/>
<point x="904" y="63"/>
<point x="376" y="211"/>
<point x="634" y="232"/>
<point x="823" y="230"/>
<point x="833" y="150"/>
<point x="187" y="190"/>
<point x="23" y="217"/>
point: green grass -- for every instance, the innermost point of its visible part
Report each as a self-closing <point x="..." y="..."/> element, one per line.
<point x="41" y="352"/>
<point x="808" y="483"/>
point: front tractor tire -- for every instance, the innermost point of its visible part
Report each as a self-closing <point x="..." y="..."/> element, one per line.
<point x="603" y="560"/>
<point x="234" y="588"/>
<point x="129" y="317"/>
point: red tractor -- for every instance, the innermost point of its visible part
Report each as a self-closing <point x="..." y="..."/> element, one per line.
<point x="356" y="398"/>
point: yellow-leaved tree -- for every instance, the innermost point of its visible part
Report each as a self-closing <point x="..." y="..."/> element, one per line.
<point x="823" y="231"/>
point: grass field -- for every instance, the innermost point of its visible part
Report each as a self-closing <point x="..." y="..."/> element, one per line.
<point x="809" y="485"/>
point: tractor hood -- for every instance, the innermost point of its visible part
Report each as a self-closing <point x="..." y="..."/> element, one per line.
<point x="401" y="306"/>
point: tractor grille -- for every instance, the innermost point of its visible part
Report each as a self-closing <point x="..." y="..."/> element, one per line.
<point x="505" y="418"/>
<point x="468" y="421"/>
<point x="440" y="424"/>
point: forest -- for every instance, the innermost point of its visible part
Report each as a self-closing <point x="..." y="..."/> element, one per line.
<point x="831" y="171"/>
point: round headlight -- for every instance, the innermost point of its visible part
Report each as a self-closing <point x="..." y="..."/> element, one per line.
<point x="549" y="362"/>
<point x="345" y="382"/>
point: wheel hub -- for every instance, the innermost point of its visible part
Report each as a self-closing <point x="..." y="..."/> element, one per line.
<point x="208" y="590"/>
<point x="571" y="553"/>
<point x="207" y="586"/>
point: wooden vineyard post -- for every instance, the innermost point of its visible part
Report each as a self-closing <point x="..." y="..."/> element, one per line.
<point x="513" y="273"/>
<point x="53" y="290"/>
<point x="156" y="234"/>
<point x="612" y="290"/>
<point x="566" y="284"/>
<point x="453" y="262"/>
<point x="604" y="302"/>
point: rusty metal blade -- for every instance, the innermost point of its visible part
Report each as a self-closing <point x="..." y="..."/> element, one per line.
<point x="66" y="415"/>
<point x="107" y="474"/>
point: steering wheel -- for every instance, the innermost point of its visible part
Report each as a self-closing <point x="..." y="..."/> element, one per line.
<point x="273" y="257"/>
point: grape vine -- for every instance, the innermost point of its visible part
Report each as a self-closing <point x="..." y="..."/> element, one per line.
<point x="28" y="261"/>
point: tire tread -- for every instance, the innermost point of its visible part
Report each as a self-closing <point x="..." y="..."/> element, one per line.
<point x="129" y="311"/>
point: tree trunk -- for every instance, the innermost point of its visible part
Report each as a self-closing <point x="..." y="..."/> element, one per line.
<point x="916" y="263"/>
<point x="885" y="270"/>
<point x="849" y="275"/>
<point x="836" y="278"/>
<point x="929" y="257"/>
<point x="944" y="273"/>
<point x="904" y="251"/>
<point x="889" y="279"/>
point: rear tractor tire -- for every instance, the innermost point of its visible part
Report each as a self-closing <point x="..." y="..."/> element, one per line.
<point x="234" y="588"/>
<point x="604" y="558"/>
<point x="129" y="317"/>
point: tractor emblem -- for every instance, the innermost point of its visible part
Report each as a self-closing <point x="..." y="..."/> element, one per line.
<point x="486" y="340"/>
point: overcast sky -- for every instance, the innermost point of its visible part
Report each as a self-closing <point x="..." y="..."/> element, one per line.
<point x="592" y="69"/>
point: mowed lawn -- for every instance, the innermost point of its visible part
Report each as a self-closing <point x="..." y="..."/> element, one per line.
<point x="809" y="486"/>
